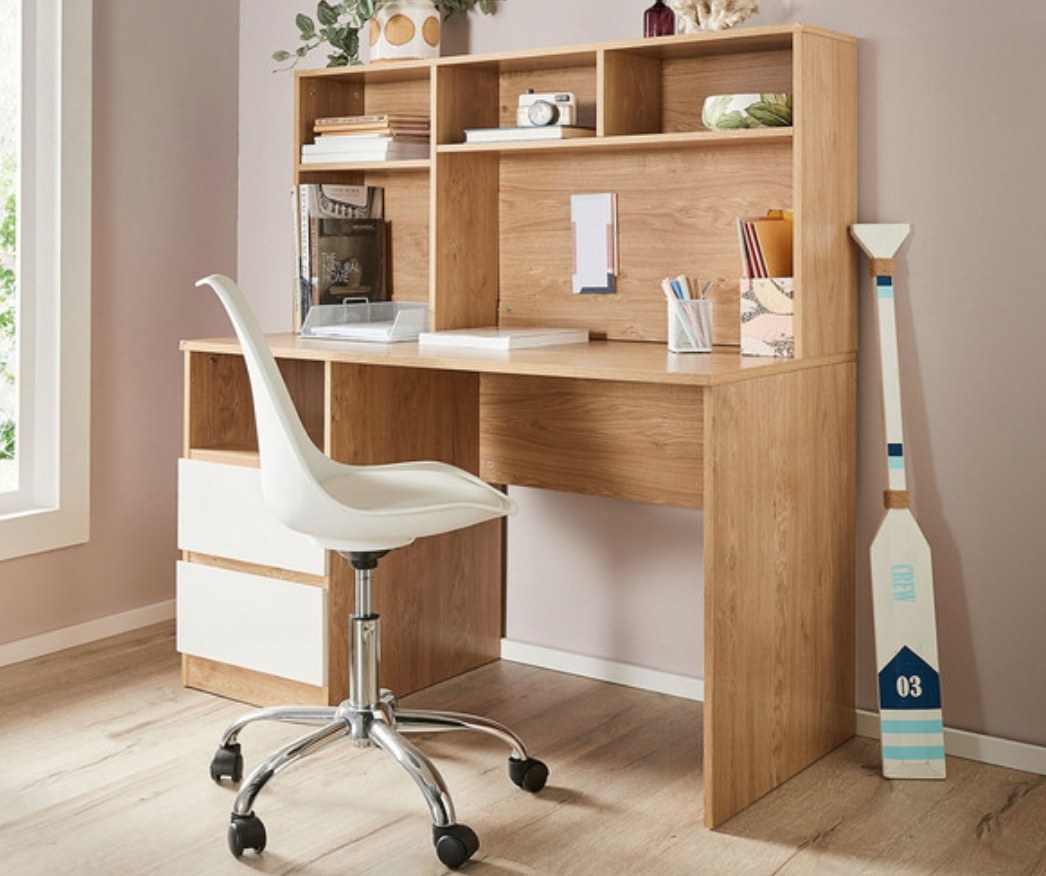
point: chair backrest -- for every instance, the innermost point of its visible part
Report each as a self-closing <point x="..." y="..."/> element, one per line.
<point x="291" y="465"/>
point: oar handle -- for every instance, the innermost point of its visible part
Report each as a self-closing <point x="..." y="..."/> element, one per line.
<point x="880" y="243"/>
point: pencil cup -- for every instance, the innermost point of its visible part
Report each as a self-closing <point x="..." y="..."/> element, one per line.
<point x="690" y="325"/>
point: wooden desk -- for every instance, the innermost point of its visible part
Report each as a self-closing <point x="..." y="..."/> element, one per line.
<point x="765" y="447"/>
<point x="483" y="234"/>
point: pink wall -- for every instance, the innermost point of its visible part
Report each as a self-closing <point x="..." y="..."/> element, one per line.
<point x="164" y="213"/>
<point x="952" y="122"/>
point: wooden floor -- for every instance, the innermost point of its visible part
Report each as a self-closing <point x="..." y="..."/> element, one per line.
<point x="105" y="771"/>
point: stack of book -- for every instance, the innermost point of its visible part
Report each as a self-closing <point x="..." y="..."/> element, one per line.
<point x="381" y="137"/>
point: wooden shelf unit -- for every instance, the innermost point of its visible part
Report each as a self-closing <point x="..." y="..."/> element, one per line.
<point x="482" y="232"/>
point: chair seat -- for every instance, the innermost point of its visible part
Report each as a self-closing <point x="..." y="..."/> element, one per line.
<point x="380" y="507"/>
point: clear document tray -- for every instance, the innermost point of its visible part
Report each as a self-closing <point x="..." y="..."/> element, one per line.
<point x="381" y="321"/>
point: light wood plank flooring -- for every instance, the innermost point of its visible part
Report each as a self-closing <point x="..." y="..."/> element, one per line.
<point x="104" y="770"/>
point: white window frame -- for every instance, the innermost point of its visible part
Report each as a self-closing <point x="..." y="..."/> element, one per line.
<point x="50" y="507"/>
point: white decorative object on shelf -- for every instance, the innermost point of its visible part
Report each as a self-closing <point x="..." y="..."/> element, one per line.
<point x="693" y="16"/>
<point x="403" y="29"/>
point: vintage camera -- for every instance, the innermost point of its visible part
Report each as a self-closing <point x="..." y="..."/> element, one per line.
<point x="550" y="108"/>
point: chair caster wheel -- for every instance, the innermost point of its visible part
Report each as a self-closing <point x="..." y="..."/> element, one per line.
<point x="227" y="763"/>
<point x="530" y="774"/>
<point x="246" y="832"/>
<point x="455" y="844"/>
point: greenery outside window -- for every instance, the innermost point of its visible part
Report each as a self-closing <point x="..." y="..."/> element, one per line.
<point x="45" y="258"/>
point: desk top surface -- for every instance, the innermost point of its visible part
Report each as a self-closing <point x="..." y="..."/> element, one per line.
<point x="629" y="361"/>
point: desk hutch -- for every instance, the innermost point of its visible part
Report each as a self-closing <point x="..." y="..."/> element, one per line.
<point x="766" y="447"/>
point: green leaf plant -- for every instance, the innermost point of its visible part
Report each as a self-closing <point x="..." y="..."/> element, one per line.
<point x="338" y="26"/>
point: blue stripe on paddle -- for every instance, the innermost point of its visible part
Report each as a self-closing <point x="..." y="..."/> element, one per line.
<point x="913" y="752"/>
<point x="888" y="725"/>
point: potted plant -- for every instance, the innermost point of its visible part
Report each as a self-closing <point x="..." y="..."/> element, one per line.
<point x="339" y="25"/>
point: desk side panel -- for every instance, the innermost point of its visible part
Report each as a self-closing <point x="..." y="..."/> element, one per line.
<point x="779" y="582"/>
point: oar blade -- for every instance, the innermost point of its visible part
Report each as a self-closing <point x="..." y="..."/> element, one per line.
<point x="911" y="722"/>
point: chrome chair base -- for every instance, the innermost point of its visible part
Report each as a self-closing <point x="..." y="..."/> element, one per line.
<point x="371" y="716"/>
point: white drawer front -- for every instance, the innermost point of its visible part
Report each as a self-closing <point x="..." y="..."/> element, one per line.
<point x="264" y="624"/>
<point x="221" y="513"/>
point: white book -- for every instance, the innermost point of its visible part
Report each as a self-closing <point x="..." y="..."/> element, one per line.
<point x="334" y="142"/>
<point x="547" y="132"/>
<point x="399" y="151"/>
<point x="503" y="338"/>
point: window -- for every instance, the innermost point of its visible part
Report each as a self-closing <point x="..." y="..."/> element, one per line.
<point x="45" y="138"/>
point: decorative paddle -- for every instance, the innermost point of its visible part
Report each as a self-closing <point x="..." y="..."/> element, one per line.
<point x="911" y="725"/>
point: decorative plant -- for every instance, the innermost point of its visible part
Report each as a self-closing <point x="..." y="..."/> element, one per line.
<point x="339" y="25"/>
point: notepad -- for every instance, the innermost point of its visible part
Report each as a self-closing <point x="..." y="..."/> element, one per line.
<point x="503" y="338"/>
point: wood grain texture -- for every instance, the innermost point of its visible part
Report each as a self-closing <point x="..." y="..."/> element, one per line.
<point x="625" y="441"/>
<point x="440" y="598"/>
<point x="676" y="211"/>
<point x="825" y="109"/>
<point x="779" y="580"/>
<point x="249" y="686"/>
<point x="219" y="410"/>
<point x="465" y="242"/>
<point x="466" y="97"/>
<point x="631" y="94"/>
<point x="597" y="360"/>
<point x="577" y="76"/>
<point x="127" y="750"/>
<point x="687" y="81"/>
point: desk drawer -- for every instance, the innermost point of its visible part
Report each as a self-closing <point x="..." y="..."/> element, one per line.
<point x="642" y="442"/>
<point x="265" y="624"/>
<point x="221" y="513"/>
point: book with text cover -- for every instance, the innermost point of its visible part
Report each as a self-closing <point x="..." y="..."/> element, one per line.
<point x="327" y="216"/>
<point x="350" y="260"/>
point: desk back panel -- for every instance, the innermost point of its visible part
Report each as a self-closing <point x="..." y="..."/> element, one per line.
<point x="602" y="438"/>
<point x="676" y="213"/>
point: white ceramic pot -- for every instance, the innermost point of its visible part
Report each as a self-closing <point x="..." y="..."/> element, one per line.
<point x="405" y="29"/>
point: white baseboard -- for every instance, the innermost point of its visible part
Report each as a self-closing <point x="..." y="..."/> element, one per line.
<point x="81" y="634"/>
<point x="683" y="686"/>
<point x="974" y="746"/>
<point x="957" y="743"/>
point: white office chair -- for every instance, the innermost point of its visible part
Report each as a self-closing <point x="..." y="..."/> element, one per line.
<point x="361" y="512"/>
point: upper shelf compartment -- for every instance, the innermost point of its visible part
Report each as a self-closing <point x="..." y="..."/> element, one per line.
<point x="403" y="88"/>
<point x="659" y="86"/>
<point x="482" y="91"/>
<point x="647" y="87"/>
